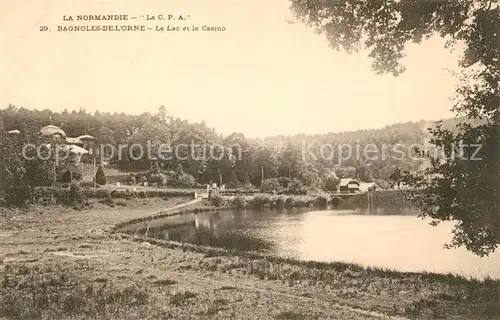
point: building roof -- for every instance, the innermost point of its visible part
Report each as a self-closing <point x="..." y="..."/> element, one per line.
<point x="73" y="140"/>
<point x="74" y="149"/>
<point x="51" y="130"/>
<point x="347" y="181"/>
<point x="86" y="137"/>
<point x="364" y="186"/>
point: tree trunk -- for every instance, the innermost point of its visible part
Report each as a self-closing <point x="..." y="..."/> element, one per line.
<point x="220" y="176"/>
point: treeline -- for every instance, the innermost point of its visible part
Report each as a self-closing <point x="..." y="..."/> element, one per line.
<point x="316" y="161"/>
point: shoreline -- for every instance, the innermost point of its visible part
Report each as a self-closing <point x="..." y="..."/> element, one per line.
<point x="338" y="290"/>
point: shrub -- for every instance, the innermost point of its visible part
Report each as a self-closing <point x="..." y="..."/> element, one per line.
<point x="261" y="200"/>
<point x="216" y="200"/>
<point x="289" y="202"/>
<point x="239" y="191"/>
<point x="108" y="201"/>
<point x="234" y="182"/>
<point x="250" y="187"/>
<point x="284" y="182"/>
<point x="303" y="201"/>
<point x="239" y="202"/>
<point x="310" y="178"/>
<point x="75" y="193"/>
<point x="296" y="187"/>
<point x="77" y="174"/>
<point x="156" y="167"/>
<point x="331" y="182"/>
<point x="130" y="180"/>
<point x="160" y="179"/>
<point x="280" y="202"/>
<point x="66" y="176"/>
<point x="382" y="183"/>
<point x="100" y="177"/>
<point x="88" y="184"/>
<point x="62" y="194"/>
<point x="184" y="180"/>
<point x="321" y="201"/>
<point x="140" y="176"/>
<point x="271" y="185"/>
<point x="16" y="196"/>
<point x="69" y="175"/>
<point x="336" y="201"/>
<point x="121" y="202"/>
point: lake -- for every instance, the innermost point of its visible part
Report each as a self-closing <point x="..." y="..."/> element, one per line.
<point x="392" y="238"/>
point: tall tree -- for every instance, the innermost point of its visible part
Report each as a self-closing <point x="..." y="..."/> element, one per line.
<point x="461" y="188"/>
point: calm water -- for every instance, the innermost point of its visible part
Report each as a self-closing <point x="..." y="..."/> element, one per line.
<point x="390" y="238"/>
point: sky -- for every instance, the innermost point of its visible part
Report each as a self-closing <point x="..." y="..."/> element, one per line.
<point x="262" y="76"/>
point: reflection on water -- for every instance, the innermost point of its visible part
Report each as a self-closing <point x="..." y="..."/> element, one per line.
<point x="385" y="237"/>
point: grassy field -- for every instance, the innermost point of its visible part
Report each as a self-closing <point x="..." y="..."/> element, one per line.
<point x="58" y="263"/>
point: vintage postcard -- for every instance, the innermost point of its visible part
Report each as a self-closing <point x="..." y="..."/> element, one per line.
<point x="250" y="159"/>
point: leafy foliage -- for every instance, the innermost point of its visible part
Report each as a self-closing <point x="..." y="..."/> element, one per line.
<point x="461" y="184"/>
<point x="271" y="186"/>
<point x="242" y="161"/>
<point x="100" y="176"/>
<point x="331" y="182"/>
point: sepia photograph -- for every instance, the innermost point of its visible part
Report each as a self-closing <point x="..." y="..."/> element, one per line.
<point x="250" y="159"/>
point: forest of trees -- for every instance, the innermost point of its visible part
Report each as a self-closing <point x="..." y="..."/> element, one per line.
<point x="243" y="161"/>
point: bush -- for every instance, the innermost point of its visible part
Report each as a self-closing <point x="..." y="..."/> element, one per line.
<point x="102" y="193"/>
<point x="321" y="201"/>
<point x="130" y="180"/>
<point x="216" y="200"/>
<point x="121" y="202"/>
<point x="75" y="193"/>
<point x="280" y="202"/>
<point x="239" y="202"/>
<point x="382" y="183"/>
<point x="234" y="183"/>
<point x="231" y="186"/>
<point x="261" y="200"/>
<point x="62" y="194"/>
<point x="296" y="187"/>
<point x="239" y="191"/>
<point x="100" y="177"/>
<point x="284" y="182"/>
<point x="184" y="180"/>
<point x="108" y="201"/>
<point x="68" y="174"/>
<point x="303" y="201"/>
<point x="271" y="185"/>
<point x="331" y="183"/>
<point x="88" y="184"/>
<point x="156" y="167"/>
<point x="16" y="196"/>
<point x="289" y="202"/>
<point x="140" y="176"/>
<point x="250" y="187"/>
<point x="151" y="178"/>
<point x="160" y="179"/>
<point x="336" y="202"/>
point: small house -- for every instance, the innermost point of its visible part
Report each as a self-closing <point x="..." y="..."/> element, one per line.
<point x="53" y="132"/>
<point x="369" y="186"/>
<point x="88" y="142"/>
<point x="74" y="141"/>
<point x="349" y="185"/>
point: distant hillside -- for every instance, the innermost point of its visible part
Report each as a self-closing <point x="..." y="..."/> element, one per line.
<point x="306" y="157"/>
